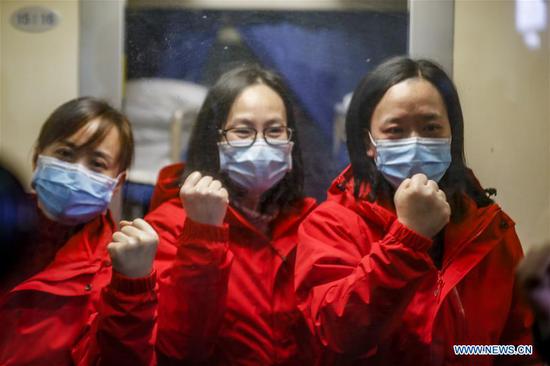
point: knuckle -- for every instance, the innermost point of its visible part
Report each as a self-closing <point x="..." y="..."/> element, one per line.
<point x="146" y="238"/>
<point x="112" y="247"/>
<point x="118" y="236"/>
<point x="141" y="237"/>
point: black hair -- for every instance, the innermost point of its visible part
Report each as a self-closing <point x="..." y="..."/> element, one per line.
<point x="457" y="181"/>
<point x="70" y="117"/>
<point x="203" y="149"/>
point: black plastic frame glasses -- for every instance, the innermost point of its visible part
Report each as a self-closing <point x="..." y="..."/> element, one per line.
<point x="284" y="135"/>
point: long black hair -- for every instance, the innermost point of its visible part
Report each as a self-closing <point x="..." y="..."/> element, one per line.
<point x="457" y="181"/>
<point x="203" y="149"/>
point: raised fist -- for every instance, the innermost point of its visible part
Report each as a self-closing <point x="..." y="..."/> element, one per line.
<point x="204" y="199"/>
<point x="421" y="205"/>
<point x="133" y="248"/>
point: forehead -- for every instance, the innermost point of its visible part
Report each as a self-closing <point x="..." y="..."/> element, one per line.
<point x="86" y="132"/>
<point x="258" y="98"/>
<point x="410" y="95"/>
<point x="109" y="144"/>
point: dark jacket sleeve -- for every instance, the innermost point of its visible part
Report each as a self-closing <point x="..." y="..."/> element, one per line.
<point x="193" y="294"/>
<point x="351" y="288"/>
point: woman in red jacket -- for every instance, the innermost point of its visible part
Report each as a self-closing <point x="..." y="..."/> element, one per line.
<point x="228" y="236"/>
<point x="80" y="158"/>
<point x="409" y="257"/>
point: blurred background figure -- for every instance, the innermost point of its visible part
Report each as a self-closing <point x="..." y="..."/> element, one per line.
<point x="17" y="223"/>
<point x="534" y="278"/>
<point x="162" y="112"/>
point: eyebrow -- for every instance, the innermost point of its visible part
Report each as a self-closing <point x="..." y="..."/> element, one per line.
<point x="95" y="153"/>
<point x="276" y="120"/>
<point x="430" y="116"/>
<point x="389" y="120"/>
<point x="423" y="116"/>
<point x="69" y="144"/>
<point x="242" y="120"/>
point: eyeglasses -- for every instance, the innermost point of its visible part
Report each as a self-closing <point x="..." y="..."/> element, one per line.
<point x="246" y="136"/>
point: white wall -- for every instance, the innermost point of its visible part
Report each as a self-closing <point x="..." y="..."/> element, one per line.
<point x="505" y="91"/>
<point x="102" y="49"/>
<point x="38" y="72"/>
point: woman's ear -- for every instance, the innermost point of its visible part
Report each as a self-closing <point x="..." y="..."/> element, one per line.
<point x="371" y="151"/>
<point x="34" y="159"/>
<point x="121" y="180"/>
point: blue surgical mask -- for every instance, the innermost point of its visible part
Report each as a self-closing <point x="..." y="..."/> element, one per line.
<point x="70" y="193"/>
<point x="403" y="158"/>
<point x="256" y="168"/>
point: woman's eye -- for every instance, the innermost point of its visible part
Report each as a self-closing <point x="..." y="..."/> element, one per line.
<point x="394" y="131"/>
<point x="99" y="165"/>
<point x="64" y="153"/>
<point x="432" y="127"/>
<point x="275" y="131"/>
<point x="242" y="132"/>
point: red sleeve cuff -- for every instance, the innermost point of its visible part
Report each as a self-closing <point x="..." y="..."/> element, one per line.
<point x="402" y="234"/>
<point x="133" y="286"/>
<point x="194" y="231"/>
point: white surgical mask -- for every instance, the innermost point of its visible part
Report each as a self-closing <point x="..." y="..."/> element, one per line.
<point x="256" y="168"/>
<point x="402" y="158"/>
<point x="70" y="193"/>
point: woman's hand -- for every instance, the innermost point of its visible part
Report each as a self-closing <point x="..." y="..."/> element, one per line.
<point x="421" y="205"/>
<point x="204" y="199"/>
<point x="134" y="248"/>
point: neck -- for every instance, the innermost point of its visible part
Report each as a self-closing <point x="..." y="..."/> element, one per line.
<point x="251" y="203"/>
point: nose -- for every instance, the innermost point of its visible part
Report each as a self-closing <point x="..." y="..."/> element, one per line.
<point x="80" y="161"/>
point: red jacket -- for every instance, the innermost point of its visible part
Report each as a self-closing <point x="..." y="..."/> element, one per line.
<point x="227" y="296"/>
<point x="48" y="319"/>
<point x="372" y="295"/>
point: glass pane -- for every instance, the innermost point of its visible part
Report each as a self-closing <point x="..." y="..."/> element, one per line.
<point x="320" y="53"/>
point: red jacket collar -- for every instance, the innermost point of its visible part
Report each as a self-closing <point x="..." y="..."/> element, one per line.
<point x="284" y="221"/>
<point x="341" y="191"/>
<point x="168" y="184"/>
<point x="82" y="254"/>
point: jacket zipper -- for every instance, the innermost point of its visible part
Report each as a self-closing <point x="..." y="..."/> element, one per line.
<point x="460" y="305"/>
<point x="447" y="263"/>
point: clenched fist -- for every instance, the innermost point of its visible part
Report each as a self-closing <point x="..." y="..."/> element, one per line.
<point x="421" y="205"/>
<point x="204" y="199"/>
<point x="134" y="248"/>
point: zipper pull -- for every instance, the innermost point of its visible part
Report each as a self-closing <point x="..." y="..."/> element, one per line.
<point x="439" y="285"/>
